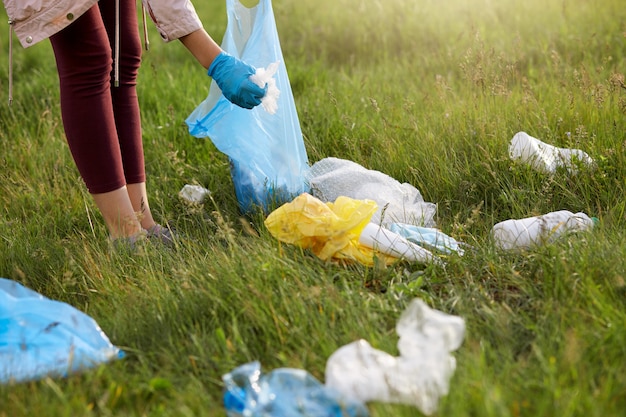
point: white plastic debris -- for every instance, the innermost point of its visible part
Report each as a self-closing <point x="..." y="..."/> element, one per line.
<point x="392" y="244"/>
<point x="194" y="193"/>
<point x="331" y="178"/>
<point x="544" y="157"/>
<point x="418" y="377"/>
<point x="532" y="231"/>
<point x="266" y="76"/>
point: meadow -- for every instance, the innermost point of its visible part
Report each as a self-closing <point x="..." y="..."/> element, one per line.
<point x="428" y="92"/>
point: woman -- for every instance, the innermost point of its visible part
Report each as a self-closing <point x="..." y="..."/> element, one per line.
<point x="97" y="48"/>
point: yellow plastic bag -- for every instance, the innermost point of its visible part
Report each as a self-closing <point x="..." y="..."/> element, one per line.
<point x="330" y="230"/>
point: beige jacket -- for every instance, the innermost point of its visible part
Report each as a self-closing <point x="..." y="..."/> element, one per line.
<point x="36" y="20"/>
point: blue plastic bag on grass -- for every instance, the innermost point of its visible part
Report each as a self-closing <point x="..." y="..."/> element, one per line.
<point x="267" y="153"/>
<point x="284" y="392"/>
<point x="40" y="337"/>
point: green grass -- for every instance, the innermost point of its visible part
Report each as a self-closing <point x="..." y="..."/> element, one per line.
<point x="425" y="91"/>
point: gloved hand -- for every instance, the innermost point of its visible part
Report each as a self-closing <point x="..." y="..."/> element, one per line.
<point x="231" y="75"/>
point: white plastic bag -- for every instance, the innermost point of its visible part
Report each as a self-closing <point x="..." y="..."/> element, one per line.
<point x="531" y="231"/>
<point x="418" y="377"/>
<point x="330" y="178"/>
<point x="544" y="157"/>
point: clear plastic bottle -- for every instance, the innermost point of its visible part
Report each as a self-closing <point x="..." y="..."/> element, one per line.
<point x="531" y="231"/>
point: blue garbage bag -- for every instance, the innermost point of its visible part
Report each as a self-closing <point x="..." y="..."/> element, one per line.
<point x="283" y="392"/>
<point x="40" y="337"/>
<point x="266" y="151"/>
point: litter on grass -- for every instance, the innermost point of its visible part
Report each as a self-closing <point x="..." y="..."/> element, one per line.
<point x="544" y="157"/>
<point x="515" y="234"/>
<point x="194" y="193"/>
<point x="283" y="392"/>
<point x="40" y="337"/>
<point x="419" y="376"/>
<point x="428" y="237"/>
<point x="341" y="230"/>
<point x="330" y="178"/>
<point x="357" y="374"/>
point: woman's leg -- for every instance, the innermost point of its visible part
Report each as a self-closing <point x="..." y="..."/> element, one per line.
<point x="126" y="104"/>
<point x="84" y="62"/>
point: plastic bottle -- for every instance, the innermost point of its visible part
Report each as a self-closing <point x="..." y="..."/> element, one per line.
<point x="531" y="231"/>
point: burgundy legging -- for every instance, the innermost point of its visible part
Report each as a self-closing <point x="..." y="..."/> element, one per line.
<point x="102" y="122"/>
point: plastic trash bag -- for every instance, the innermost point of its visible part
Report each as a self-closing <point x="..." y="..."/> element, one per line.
<point x="331" y="177"/>
<point x="284" y="392"/>
<point x="266" y="151"/>
<point x="419" y="376"/>
<point x="40" y="337"/>
<point x="544" y="157"/>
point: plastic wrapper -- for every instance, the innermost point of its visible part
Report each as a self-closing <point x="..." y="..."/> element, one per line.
<point x="340" y="230"/>
<point x="419" y="376"/>
<point x="544" y="157"/>
<point x="265" y="145"/>
<point x="330" y="178"/>
<point x="284" y="392"/>
<point x="265" y="77"/>
<point x="40" y="337"/>
<point x="428" y="237"/>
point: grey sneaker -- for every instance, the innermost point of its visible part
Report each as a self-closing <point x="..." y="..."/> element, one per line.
<point x="161" y="234"/>
<point x="128" y="244"/>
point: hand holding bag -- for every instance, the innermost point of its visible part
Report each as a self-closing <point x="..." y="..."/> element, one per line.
<point x="266" y="151"/>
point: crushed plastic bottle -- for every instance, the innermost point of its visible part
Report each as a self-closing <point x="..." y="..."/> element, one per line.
<point x="531" y="231"/>
<point x="418" y="377"/>
<point x="283" y="392"/>
<point x="544" y="157"/>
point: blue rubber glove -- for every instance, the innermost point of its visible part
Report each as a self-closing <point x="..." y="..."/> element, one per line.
<point x="231" y="75"/>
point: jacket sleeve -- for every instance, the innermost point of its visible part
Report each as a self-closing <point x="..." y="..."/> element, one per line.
<point x="173" y="18"/>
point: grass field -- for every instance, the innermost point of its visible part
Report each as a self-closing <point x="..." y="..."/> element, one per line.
<point x="428" y="92"/>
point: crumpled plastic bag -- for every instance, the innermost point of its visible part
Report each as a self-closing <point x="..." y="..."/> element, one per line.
<point x="264" y="77"/>
<point x="330" y="230"/>
<point x="332" y="177"/>
<point x="419" y="376"/>
<point x="520" y="234"/>
<point x="283" y="392"/>
<point x="341" y="231"/>
<point x="40" y="337"/>
<point x="544" y="157"/>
